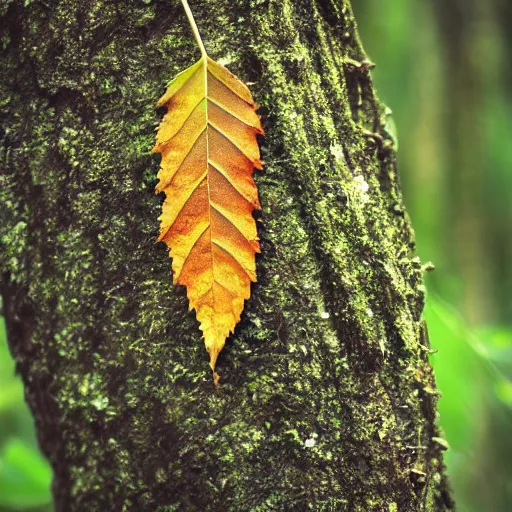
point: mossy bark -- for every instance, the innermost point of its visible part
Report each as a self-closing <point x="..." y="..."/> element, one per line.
<point x="327" y="399"/>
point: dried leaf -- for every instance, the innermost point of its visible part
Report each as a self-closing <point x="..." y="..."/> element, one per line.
<point x="209" y="150"/>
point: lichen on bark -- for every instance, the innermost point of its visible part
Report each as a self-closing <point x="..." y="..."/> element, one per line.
<point x="327" y="398"/>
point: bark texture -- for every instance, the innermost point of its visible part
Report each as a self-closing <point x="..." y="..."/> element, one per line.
<point x="327" y="399"/>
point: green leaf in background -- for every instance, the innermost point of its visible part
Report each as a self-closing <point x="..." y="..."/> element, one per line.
<point x="11" y="394"/>
<point x="460" y="375"/>
<point x="473" y="371"/>
<point x="25" y="477"/>
<point x="496" y="346"/>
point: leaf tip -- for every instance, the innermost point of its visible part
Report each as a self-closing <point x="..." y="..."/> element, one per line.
<point x="214" y="352"/>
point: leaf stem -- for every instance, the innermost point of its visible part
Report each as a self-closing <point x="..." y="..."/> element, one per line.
<point x="193" y="25"/>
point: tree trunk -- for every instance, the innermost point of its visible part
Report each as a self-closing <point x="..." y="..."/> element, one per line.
<point x="327" y="400"/>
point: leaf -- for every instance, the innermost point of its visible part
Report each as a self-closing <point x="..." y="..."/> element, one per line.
<point x="209" y="150"/>
<point x="25" y="476"/>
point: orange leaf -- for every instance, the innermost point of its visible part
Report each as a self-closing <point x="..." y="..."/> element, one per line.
<point x="209" y="150"/>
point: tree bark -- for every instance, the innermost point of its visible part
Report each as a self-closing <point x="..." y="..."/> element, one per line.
<point x="327" y="400"/>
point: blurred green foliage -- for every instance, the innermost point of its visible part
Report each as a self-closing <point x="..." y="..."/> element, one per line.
<point x="443" y="68"/>
<point x="25" y="476"/>
<point x="474" y="371"/>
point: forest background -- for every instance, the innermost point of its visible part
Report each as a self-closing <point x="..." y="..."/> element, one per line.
<point x="443" y="67"/>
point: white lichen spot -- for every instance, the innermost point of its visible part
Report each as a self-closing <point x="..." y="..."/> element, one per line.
<point x="361" y="184"/>
<point x="311" y="441"/>
<point x="337" y="152"/>
<point x="358" y="189"/>
<point x="324" y="315"/>
<point x="369" y="312"/>
<point x="225" y="61"/>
